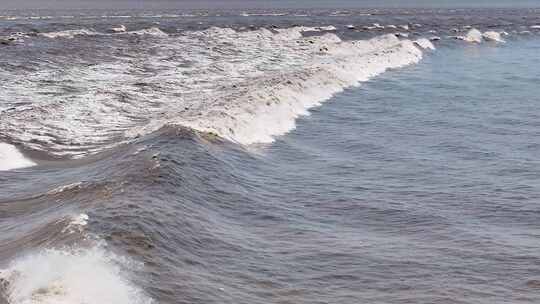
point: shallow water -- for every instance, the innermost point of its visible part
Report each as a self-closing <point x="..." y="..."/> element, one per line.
<point x="417" y="186"/>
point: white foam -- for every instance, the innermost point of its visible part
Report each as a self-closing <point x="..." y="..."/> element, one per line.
<point x="69" y="33"/>
<point x="119" y="29"/>
<point x="402" y="35"/>
<point x="425" y="44"/>
<point x="219" y="31"/>
<point x="63" y="188"/>
<point x="474" y="36"/>
<point x="153" y="31"/>
<point x="77" y="223"/>
<point x="289" y="33"/>
<point x="328" y="28"/>
<point x="314" y="29"/>
<point x="271" y="106"/>
<point x="11" y="158"/>
<point x="69" y="276"/>
<point x="405" y="27"/>
<point x="493" y="36"/>
<point x="535" y="27"/>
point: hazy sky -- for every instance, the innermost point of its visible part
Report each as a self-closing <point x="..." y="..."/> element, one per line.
<point x="239" y="4"/>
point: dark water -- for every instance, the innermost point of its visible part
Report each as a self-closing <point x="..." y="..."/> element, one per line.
<point x="419" y="186"/>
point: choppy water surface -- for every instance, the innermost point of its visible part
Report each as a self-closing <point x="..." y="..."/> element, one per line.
<point x="268" y="159"/>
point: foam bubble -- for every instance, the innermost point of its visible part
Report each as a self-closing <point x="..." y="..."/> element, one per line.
<point x="53" y="276"/>
<point x="11" y="158"/>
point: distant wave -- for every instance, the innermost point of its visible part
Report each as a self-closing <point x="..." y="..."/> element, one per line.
<point x="476" y="36"/>
<point x="70" y="33"/>
<point x="120" y="29"/>
<point x="153" y="31"/>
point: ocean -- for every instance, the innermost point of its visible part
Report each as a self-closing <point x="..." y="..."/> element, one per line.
<point x="270" y="155"/>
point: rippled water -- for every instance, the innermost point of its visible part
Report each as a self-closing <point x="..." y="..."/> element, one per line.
<point x="417" y="185"/>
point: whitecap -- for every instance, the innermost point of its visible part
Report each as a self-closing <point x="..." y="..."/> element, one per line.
<point x="271" y="110"/>
<point x="119" y="29"/>
<point x="493" y="36"/>
<point x="11" y="158"/>
<point x="425" y="44"/>
<point x="402" y="35"/>
<point x="328" y="28"/>
<point x="473" y="35"/>
<point x="63" y="188"/>
<point x="76" y="223"/>
<point x="67" y="276"/>
<point x="246" y="86"/>
<point x="153" y="31"/>
<point x="69" y="33"/>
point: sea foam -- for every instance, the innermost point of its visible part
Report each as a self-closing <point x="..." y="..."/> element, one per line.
<point x="67" y="276"/>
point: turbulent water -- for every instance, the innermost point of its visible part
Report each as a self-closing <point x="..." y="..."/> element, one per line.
<point x="270" y="156"/>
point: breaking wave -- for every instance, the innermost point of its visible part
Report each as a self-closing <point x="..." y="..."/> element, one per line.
<point x="11" y="158"/>
<point x="92" y="276"/>
<point x="245" y="86"/>
<point x="476" y="36"/>
<point x="70" y="33"/>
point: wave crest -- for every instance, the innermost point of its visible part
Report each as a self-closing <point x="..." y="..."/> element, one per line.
<point x="70" y="33"/>
<point x="246" y="86"/>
